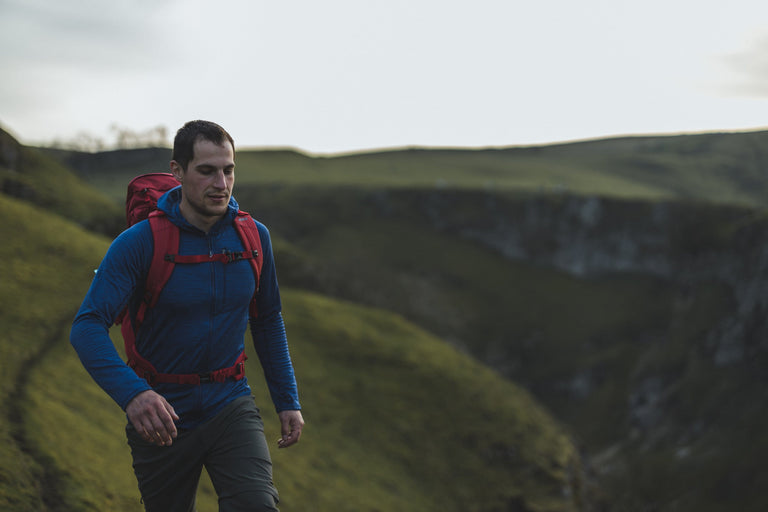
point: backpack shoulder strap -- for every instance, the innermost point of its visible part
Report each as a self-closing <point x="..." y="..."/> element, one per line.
<point x="166" y="241"/>
<point x="249" y="235"/>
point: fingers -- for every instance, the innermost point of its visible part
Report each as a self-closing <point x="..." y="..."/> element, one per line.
<point x="154" y="437"/>
<point x="289" y="439"/>
<point x="153" y="417"/>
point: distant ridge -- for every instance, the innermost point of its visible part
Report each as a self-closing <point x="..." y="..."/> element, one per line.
<point x="710" y="167"/>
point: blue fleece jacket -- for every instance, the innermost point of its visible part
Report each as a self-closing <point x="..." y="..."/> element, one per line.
<point x="198" y="324"/>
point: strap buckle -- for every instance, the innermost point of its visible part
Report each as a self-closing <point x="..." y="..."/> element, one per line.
<point x="232" y="256"/>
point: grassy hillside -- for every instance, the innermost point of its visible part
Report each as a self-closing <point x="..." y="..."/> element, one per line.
<point x="46" y="270"/>
<point x="396" y="418"/>
<point x="31" y="176"/>
<point x="718" y="167"/>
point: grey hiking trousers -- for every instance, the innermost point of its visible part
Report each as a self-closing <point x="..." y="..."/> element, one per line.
<point x="234" y="451"/>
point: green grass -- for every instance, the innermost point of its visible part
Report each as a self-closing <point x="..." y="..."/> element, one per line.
<point x="42" y="254"/>
<point x="81" y="432"/>
<point x="47" y="266"/>
<point x="426" y="427"/>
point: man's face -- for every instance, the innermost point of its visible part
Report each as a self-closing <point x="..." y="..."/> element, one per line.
<point x="207" y="183"/>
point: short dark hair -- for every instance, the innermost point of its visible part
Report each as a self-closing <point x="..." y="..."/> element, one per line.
<point x="184" y="142"/>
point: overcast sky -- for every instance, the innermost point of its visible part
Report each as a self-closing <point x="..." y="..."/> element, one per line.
<point x="343" y="75"/>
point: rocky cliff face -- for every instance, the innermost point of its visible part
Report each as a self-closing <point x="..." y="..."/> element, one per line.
<point x="698" y="409"/>
<point x="687" y="243"/>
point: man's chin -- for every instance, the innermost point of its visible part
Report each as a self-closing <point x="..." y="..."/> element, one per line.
<point x="217" y="208"/>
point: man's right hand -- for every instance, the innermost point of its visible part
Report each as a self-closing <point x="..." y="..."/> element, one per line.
<point x="152" y="417"/>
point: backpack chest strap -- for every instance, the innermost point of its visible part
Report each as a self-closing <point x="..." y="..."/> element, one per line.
<point x="223" y="257"/>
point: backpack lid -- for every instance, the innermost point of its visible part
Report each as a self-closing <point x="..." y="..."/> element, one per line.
<point x="143" y="193"/>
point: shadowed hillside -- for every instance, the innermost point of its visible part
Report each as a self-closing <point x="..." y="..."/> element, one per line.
<point x="28" y="174"/>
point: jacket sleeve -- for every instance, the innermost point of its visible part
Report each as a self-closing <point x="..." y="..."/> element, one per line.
<point x="269" y="336"/>
<point x="110" y="292"/>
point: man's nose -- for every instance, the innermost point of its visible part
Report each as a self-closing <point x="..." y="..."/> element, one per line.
<point x="220" y="181"/>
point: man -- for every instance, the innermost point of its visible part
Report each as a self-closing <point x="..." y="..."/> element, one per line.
<point x="196" y="327"/>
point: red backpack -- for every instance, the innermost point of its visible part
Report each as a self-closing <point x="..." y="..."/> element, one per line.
<point x="141" y="203"/>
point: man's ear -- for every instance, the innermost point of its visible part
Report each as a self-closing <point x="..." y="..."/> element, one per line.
<point x="177" y="171"/>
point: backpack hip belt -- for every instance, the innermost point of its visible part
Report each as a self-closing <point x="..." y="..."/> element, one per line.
<point x="147" y="372"/>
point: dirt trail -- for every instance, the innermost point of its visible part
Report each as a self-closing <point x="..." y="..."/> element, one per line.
<point x="49" y="478"/>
